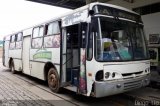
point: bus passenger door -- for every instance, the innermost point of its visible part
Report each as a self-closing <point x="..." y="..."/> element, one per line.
<point x="25" y="54"/>
<point x="73" y="57"/>
<point x="5" y="53"/>
<point x="70" y="55"/>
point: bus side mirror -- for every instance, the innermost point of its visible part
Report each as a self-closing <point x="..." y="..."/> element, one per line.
<point x="91" y="12"/>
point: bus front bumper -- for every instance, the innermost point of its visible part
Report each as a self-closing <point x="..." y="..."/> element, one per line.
<point x="106" y="88"/>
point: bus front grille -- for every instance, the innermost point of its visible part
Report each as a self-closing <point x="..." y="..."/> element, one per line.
<point x="130" y="74"/>
<point x="132" y="85"/>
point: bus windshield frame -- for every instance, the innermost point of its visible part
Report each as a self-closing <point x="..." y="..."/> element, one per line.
<point x="110" y="11"/>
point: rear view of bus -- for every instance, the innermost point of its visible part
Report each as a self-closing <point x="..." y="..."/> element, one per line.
<point x="117" y="55"/>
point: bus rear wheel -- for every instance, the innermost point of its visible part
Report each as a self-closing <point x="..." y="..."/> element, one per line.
<point x="12" y="67"/>
<point x="53" y="80"/>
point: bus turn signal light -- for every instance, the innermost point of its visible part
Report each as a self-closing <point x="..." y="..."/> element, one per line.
<point x="90" y="74"/>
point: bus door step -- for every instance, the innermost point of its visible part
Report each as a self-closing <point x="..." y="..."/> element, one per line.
<point x="75" y="77"/>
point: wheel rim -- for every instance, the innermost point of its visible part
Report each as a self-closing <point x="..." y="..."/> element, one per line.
<point x="52" y="80"/>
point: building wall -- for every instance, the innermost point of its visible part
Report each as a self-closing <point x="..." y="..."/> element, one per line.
<point x="151" y="21"/>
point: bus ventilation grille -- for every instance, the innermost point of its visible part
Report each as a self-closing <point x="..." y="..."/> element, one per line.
<point x="132" y="85"/>
<point x="130" y="75"/>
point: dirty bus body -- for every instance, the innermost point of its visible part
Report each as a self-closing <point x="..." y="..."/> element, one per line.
<point x="97" y="50"/>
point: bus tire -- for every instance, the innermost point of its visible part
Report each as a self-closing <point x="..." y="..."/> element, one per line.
<point x="12" y="67"/>
<point x="53" y="80"/>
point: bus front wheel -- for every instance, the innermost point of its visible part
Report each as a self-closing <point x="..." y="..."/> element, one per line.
<point x="53" y="80"/>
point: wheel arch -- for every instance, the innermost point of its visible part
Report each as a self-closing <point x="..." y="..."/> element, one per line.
<point x="10" y="61"/>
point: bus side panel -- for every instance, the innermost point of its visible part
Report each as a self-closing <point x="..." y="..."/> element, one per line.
<point x="39" y="57"/>
<point x="18" y="64"/>
<point x="82" y="75"/>
<point x="16" y="54"/>
<point x="6" y="51"/>
<point x="37" y="69"/>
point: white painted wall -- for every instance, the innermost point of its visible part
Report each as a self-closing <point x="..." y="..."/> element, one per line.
<point x="151" y="21"/>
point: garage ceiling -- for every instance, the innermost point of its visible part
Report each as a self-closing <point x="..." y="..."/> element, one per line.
<point x="71" y="4"/>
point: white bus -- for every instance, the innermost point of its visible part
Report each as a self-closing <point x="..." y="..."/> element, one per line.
<point x="97" y="50"/>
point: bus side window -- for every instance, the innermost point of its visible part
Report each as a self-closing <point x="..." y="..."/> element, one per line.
<point x="19" y="41"/>
<point x="12" y="42"/>
<point x="12" y="38"/>
<point x="52" y="35"/>
<point x="37" y="37"/>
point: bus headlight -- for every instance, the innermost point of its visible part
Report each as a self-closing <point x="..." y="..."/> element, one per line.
<point x="99" y="75"/>
<point x="107" y="74"/>
<point x="112" y="75"/>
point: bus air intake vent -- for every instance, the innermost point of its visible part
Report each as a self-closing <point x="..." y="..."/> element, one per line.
<point x="132" y="85"/>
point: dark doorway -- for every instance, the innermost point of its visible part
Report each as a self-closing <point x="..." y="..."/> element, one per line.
<point x="72" y="54"/>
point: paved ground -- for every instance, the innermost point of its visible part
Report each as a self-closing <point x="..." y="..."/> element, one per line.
<point x="10" y="90"/>
<point x="15" y="91"/>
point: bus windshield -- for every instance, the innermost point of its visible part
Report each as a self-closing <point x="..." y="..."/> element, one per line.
<point x="119" y="40"/>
